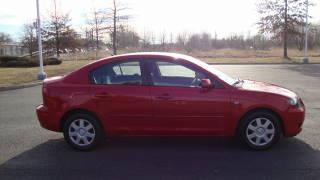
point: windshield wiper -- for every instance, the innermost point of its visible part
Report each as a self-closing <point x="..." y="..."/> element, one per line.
<point x="238" y="81"/>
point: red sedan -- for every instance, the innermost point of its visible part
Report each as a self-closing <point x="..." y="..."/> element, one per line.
<point x="165" y="94"/>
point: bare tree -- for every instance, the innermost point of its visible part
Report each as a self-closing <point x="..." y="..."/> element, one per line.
<point x="97" y="22"/>
<point x="171" y="43"/>
<point x="280" y="17"/>
<point x="214" y="41"/>
<point x="313" y="37"/>
<point x="146" y="40"/>
<point x="182" y="40"/>
<point x="89" y="38"/>
<point x="199" y="41"/>
<point x="54" y="27"/>
<point x="117" y="16"/>
<point x="163" y="40"/>
<point x="29" y="38"/>
<point x="205" y="41"/>
<point x="153" y="38"/>
<point x="194" y="42"/>
<point x="127" y="37"/>
<point x="5" y="38"/>
<point x="260" y="42"/>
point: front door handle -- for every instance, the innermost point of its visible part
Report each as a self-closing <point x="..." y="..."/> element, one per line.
<point x="102" y="95"/>
<point x="164" y="96"/>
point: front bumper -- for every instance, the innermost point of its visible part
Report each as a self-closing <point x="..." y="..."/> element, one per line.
<point x="46" y="119"/>
<point x="293" y="120"/>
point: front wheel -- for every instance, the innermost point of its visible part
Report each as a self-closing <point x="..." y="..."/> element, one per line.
<point x="260" y="130"/>
<point x="82" y="131"/>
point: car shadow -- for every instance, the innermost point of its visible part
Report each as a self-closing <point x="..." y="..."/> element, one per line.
<point x="165" y="158"/>
<point x="312" y="70"/>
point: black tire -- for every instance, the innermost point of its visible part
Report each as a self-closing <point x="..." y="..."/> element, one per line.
<point x="251" y="119"/>
<point x="96" y="129"/>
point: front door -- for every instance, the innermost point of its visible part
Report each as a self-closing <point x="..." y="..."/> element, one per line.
<point x="181" y="106"/>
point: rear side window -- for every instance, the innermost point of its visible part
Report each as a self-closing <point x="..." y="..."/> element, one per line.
<point x="128" y="68"/>
<point x="128" y="73"/>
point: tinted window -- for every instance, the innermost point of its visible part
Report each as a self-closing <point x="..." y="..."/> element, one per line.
<point x="172" y="74"/>
<point x="170" y="70"/>
<point x="127" y="68"/>
<point x="118" y="73"/>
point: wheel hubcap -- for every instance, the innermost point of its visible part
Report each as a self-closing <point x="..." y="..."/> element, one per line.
<point x="81" y="132"/>
<point x="260" y="131"/>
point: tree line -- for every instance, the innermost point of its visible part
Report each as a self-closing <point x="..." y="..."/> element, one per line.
<point x="281" y="23"/>
<point x="58" y="35"/>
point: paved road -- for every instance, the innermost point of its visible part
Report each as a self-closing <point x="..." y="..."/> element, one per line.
<point x="30" y="152"/>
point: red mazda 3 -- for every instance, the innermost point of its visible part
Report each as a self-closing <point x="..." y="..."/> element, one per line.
<point x="165" y="94"/>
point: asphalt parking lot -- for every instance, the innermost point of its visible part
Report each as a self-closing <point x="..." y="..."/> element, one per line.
<point x="29" y="152"/>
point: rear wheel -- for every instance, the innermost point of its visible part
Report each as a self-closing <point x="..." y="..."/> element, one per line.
<point x="82" y="131"/>
<point x="260" y="130"/>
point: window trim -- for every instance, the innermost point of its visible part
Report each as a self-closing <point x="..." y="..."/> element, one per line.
<point x="149" y="61"/>
<point x="113" y="63"/>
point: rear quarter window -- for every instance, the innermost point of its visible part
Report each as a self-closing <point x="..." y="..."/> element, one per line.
<point x="118" y="73"/>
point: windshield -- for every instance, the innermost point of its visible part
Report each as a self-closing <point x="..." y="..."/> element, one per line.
<point x="224" y="77"/>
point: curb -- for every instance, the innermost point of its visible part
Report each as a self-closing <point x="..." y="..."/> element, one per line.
<point x="20" y="86"/>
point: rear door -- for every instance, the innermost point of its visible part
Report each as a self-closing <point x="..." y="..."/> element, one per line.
<point x="122" y="97"/>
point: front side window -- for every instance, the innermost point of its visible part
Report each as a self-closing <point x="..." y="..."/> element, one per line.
<point x="118" y="73"/>
<point x="224" y="77"/>
<point x="172" y="74"/>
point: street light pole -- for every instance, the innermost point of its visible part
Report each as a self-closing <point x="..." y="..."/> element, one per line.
<point x="42" y="75"/>
<point x="306" y="59"/>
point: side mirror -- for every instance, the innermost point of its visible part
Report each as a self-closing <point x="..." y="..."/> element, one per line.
<point x="206" y="83"/>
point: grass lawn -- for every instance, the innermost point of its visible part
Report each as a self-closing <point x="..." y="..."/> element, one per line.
<point x="14" y="76"/>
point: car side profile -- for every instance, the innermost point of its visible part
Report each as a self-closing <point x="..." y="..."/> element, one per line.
<point x="165" y="94"/>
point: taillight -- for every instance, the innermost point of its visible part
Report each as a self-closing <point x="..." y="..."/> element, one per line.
<point x="44" y="93"/>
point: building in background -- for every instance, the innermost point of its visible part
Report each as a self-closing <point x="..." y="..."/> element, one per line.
<point x="12" y="49"/>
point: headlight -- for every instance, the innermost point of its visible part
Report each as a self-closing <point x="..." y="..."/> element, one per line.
<point x="293" y="101"/>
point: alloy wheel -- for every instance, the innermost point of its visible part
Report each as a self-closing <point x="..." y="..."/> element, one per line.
<point x="260" y="131"/>
<point x="81" y="132"/>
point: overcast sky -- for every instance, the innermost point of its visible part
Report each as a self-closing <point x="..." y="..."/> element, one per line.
<point x="171" y="16"/>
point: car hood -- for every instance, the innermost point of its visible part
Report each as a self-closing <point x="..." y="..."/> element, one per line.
<point x="268" y="88"/>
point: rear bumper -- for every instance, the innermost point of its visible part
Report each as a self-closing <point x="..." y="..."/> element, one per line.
<point x="47" y="119"/>
<point x="293" y="121"/>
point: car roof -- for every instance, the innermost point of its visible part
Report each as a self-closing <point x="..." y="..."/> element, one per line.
<point x="151" y="54"/>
